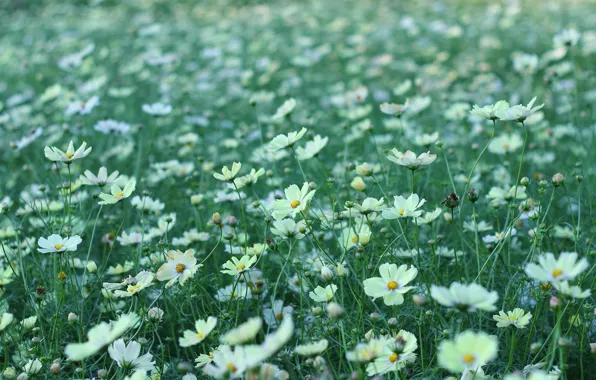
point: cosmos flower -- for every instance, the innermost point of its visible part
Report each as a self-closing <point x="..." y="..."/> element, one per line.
<point x="311" y="148"/>
<point x="297" y="200"/>
<point x="100" y="336"/>
<point x="566" y="267"/>
<point x="396" y="352"/>
<point x="285" y="141"/>
<point x="465" y="297"/>
<point x="157" y="109"/>
<point x="404" y="208"/>
<point x="128" y="356"/>
<point x="202" y="329"/>
<point x="242" y="333"/>
<point x="517" y="318"/>
<point x="284" y="110"/>
<point x="311" y="349"/>
<point x="468" y="351"/>
<point x="410" y="160"/>
<point x="55" y="243"/>
<point x="518" y="113"/>
<point x="227" y="174"/>
<point x="235" y="266"/>
<point x="321" y="294"/>
<point x="117" y="194"/>
<point x="80" y="107"/>
<point x="56" y="155"/>
<point x="392" y="283"/>
<point x="180" y="267"/>
<point x="101" y="179"/>
<point x="489" y="112"/>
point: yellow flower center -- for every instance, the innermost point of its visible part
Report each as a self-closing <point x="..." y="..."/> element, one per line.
<point x="278" y="316"/>
<point x="393" y="357"/>
<point x="354" y="239"/>
<point x="58" y="246"/>
<point x="505" y="146"/>
<point x="211" y="355"/>
<point x="392" y="285"/>
<point x="133" y="288"/>
<point x="120" y="195"/>
<point x="513" y="318"/>
<point x="240" y="267"/>
<point x="180" y="268"/>
<point x="69" y="155"/>
<point x="401" y="212"/>
<point x="557" y="272"/>
<point x="200" y="335"/>
<point x="467" y="358"/>
<point x="231" y="367"/>
<point x="295" y="204"/>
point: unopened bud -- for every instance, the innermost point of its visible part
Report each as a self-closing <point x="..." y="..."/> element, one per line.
<point x="558" y="179"/>
<point x="72" y="317"/>
<point x="335" y="310"/>
<point x="55" y="368"/>
<point x="525" y="181"/>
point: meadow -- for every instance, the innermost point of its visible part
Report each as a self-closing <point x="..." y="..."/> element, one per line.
<point x="297" y="189"/>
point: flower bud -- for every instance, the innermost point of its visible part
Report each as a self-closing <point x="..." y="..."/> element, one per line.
<point x="472" y="195"/>
<point x="312" y="186"/>
<point x="91" y="267"/>
<point x="9" y="373"/>
<point x="72" y="317"/>
<point x="525" y="181"/>
<point x="558" y="179"/>
<point x="364" y="170"/>
<point x="316" y="311"/>
<point x="419" y="299"/>
<point x="196" y="199"/>
<point x="55" y="368"/>
<point x="358" y="184"/>
<point x="327" y="273"/>
<point x="554" y="302"/>
<point x="335" y="310"/>
<point x="233" y="221"/>
<point x="593" y="348"/>
<point x="155" y="314"/>
<point x="216" y="219"/>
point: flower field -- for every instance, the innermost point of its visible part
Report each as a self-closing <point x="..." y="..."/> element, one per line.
<point x="297" y="189"/>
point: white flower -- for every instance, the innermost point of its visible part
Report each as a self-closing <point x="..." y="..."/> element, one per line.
<point x="394" y="109"/>
<point x="80" y="107"/>
<point x="285" y="141"/>
<point x="312" y="148"/>
<point x="567" y="38"/>
<point x="404" y="208"/>
<point x="117" y="194"/>
<point x="519" y="112"/>
<point x="392" y="283"/>
<point x="289" y="228"/>
<point x="56" y="155"/>
<point x="6" y="320"/>
<point x="284" y="110"/>
<point x="100" y="336"/>
<point x="127" y="356"/>
<point x="55" y="243"/>
<point x="489" y="112"/>
<point x="394" y="354"/>
<point x="112" y="126"/>
<point x="410" y="160"/>
<point x="227" y="174"/>
<point x="572" y="291"/>
<point x="321" y="294"/>
<point x="297" y="199"/>
<point x="202" y="329"/>
<point x="566" y="267"/>
<point x="157" y="109"/>
<point x="276" y="313"/>
<point x="235" y="266"/>
<point x="464" y="297"/>
<point x="230" y="364"/>
<point x="243" y="333"/>
<point x="517" y="318"/>
<point x="469" y="350"/>
<point x="311" y="348"/>
<point x="101" y="179"/>
<point x="505" y="143"/>
<point x="180" y="267"/>
<point x="32" y="367"/>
